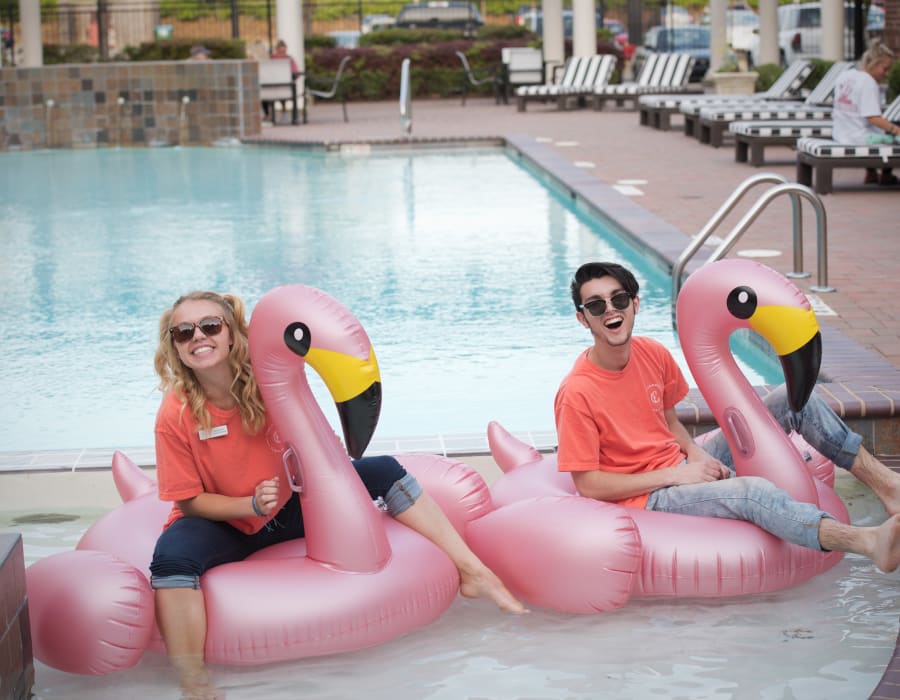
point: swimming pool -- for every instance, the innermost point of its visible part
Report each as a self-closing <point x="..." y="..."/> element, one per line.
<point x="457" y="263"/>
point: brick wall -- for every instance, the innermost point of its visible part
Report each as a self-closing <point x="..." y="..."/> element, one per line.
<point x="128" y="104"/>
<point x="892" y="24"/>
<point x="16" y="662"/>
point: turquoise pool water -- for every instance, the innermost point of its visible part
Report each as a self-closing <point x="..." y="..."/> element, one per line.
<point x="457" y="263"/>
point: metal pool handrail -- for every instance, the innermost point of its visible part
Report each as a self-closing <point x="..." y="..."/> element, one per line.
<point x="405" y="98"/>
<point x="794" y="191"/>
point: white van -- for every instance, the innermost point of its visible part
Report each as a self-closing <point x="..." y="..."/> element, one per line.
<point x="800" y="31"/>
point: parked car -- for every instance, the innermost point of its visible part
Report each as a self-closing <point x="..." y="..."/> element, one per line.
<point x="440" y="15"/>
<point x="371" y="23"/>
<point x="345" y="38"/>
<point x="693" y="39"/>
<point x="532" y="19"/>
<point x="800" y="31"/>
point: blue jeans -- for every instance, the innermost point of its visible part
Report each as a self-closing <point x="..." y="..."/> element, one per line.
<point x="190" y="546"/>
<point x="755" y="499"/>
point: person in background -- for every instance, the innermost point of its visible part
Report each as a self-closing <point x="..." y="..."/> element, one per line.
<point x="281" y="52"/>
<point x="857" y="107"/>
<point x="621" y="439"/>
<point x="218" y="458"/>
<point x="199" y="53"/>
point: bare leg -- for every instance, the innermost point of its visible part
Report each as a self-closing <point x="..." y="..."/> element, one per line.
<point x="181" y="616"/>
<point x="884" y="482"/>
<point x="880" y="544"/>
<point x="476" y="579"/>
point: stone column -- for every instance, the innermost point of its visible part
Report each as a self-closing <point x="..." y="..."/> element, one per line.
<point x="717" y="35"/>
<point x="584" y="30"/>
<point x="32" y="44"/>
<point x="554" y="46"/>
<point x="289" y="27"/>
<point x="833" y="30"/>
<point x="768" y="33"/>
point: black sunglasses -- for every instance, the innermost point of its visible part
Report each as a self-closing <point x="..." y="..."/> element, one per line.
<point x="597" y="307"/>
<point x="209" y="326"/>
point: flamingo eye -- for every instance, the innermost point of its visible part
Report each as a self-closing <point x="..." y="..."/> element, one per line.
<point x="742" y="302"/>
<point x="297" y="337"/>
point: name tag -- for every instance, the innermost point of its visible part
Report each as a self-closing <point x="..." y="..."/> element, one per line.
<point x="218" y="431"/>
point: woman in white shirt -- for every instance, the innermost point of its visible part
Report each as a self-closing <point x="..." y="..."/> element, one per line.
<point x="857" y="106"/>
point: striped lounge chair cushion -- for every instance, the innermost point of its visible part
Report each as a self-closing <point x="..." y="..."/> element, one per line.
<point x="660" y="73"/>
<point x="580" y="76"/>
<point x="825" y="148"/>
<point x="783" y="110"/>
<point x="782" y="128"/>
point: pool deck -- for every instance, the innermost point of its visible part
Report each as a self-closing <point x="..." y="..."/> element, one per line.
<point x="664" y="187"/>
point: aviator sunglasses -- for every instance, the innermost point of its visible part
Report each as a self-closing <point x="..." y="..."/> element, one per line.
<point x="209" y="326"/>
<point x="597" y="307"/>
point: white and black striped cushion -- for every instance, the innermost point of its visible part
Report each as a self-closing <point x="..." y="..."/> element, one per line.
<point x="826" y="148"/>
<point x="580" y="76"/>
<point x="782" y="128"/>
<point x="767" y="111"/>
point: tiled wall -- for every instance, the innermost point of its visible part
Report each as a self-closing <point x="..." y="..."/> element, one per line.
<point x="128" y="104"/>
<point x="16" y="662"/>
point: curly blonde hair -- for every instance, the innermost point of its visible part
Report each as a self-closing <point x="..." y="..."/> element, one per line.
<point x="176" y="376"/>
<point x="876" y="53"/>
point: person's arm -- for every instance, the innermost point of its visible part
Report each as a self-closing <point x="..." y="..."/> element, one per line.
<point x="700" y="467"/>
<point x="887" y="127"/>
<point x="215" y="506"/>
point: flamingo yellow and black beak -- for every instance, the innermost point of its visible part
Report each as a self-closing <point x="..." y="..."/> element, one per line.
<point x="354" y="384"/>
<point x="793" y="333"/>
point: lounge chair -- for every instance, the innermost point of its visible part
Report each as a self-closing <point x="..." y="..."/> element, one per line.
<point x="276" y="84"/>
<point x="712" y="122"/>
<point x="336" y="91"/>
<point x="581" y="75"/>
<point x="661" y="72"/>
<point x="522" y="65"/>
<point x="817" y="158"/>
<point x="470" y="79"/>
<point x="656" y="110"/>
<point x="751" y="138"/>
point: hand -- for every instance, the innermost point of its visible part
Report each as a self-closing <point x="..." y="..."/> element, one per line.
<point x="266" y="495"/>
<point x="701" y="470"/>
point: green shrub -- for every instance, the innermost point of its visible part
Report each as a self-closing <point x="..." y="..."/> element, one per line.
<point x="893" y="82"/>
<point x="820" y="68"/>
<point x="768" y="73"/>
<point x="74" y="53"/>
<point x="180" y="49"/>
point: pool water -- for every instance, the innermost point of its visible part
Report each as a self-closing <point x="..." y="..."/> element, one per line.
<point x="830" y="638"/>
<point x="456" y="262"/>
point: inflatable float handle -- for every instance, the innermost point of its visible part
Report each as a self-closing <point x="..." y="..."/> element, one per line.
<point x="292" y="469"/>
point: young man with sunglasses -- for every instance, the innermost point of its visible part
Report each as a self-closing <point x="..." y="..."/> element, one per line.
<point x="621" y="439"/>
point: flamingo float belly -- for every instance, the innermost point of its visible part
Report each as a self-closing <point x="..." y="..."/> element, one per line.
<point x="357" y="579"/>
<point x="613" y="552"/>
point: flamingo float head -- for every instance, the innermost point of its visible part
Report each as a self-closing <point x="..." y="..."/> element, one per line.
<point x="730" y="294"/>
<point x="295" y="325"/>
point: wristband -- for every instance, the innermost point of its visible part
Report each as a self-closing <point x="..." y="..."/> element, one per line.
<point x="256" y="507"/>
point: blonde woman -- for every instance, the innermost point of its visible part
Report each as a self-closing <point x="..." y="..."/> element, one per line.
<point x="217" y="461"/>
<point x="857" y="106"/>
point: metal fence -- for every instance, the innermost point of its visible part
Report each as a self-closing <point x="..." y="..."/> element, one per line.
<point x="108" y="26"/>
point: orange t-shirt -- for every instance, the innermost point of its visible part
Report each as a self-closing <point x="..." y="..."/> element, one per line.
<point x="228" y="461"/>
<point x="615" y="421"/>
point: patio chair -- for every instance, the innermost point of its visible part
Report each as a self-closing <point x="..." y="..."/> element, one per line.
<point x="712" y="122"/>
<point x="336" y="91"/>
<point x="276" y="84"/>
<point x="469" y="79"/>
<point x="581" y="76"/>
<point x="661" y="72"/>
<point x="522" y="65"/>
<point x="817" y="158"/>
<point x="656" y="110"/>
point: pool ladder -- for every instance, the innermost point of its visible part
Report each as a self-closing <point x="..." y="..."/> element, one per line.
<point x="795" y="191"/>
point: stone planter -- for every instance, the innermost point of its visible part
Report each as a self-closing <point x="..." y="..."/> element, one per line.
<point x="736" y="83"/>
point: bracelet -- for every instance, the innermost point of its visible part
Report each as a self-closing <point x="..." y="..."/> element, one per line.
<point x="255" y="507"/>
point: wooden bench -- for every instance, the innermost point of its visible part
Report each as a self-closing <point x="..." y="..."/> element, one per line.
<point x="277" y="84"/>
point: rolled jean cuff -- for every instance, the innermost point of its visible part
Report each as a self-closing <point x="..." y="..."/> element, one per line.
<point x="847" y="454"/>
<point x="403" y="494"/>
<point x="177" y="581"/>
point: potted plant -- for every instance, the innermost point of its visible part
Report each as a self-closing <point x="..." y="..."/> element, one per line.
<point x="730" y="79"/>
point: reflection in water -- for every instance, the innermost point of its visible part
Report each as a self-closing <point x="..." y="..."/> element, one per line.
<point x="457" y="263"/>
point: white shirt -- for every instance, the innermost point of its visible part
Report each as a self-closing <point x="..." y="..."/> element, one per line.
<point x="856" y="97"/>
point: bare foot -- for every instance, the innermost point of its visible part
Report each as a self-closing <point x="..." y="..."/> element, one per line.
<point x="883" y="481"/>
<point x="194" y="679"/>
<point x="486" y="584"/>
<point x="886" y="550"/>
